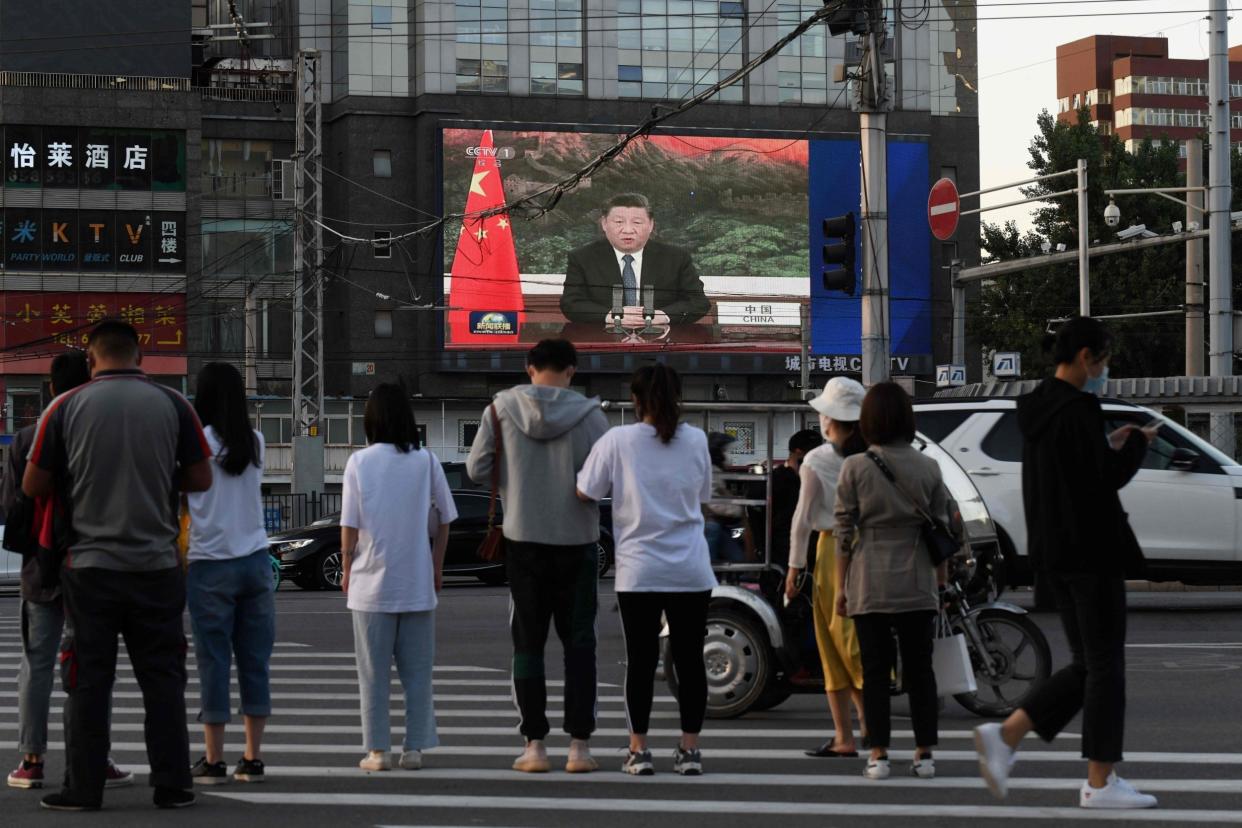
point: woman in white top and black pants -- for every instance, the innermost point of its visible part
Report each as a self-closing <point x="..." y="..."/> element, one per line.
<point x="229" y="586"/>
<point x="395" y="498"/>
<point x="659" y="474"/>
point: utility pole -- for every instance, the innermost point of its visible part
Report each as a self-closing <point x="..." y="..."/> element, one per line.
<point x="1220" y="192"/>
<point x="1084" y="259"/>
<point x="959" y="313"/>
<point x="308" y="465"/>
<point x="804" y="385"/>
<point x="1194" y="260"/>
<point x="874" y="103"/>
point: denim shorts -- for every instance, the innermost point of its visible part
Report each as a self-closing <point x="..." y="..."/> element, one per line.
<point x="233" y="613"/>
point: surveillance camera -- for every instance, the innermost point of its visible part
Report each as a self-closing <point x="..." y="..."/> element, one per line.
<point x="1046" y="246"/>
<point x="1135" y="231"/>
<point x="1112" y="214"/>
<point x="1192" y="227"/>
<point x="1177" y="227"/>
<point x="1061" y="247"/>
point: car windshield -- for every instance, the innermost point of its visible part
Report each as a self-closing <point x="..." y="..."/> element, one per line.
<point x="328" y="520"/>
<point x="960" y="486"/>
<point x="1202" y="445"/>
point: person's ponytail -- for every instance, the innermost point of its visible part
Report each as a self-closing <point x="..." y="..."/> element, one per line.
<point x="657" y="395"/>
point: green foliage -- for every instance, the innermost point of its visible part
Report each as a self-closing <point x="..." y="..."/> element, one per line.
<point x="1013" y="313"/>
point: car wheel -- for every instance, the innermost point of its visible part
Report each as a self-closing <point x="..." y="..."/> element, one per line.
<point x="604" y="551"/>
<point x="739" y="662"/>
<point x="328" y="570"/>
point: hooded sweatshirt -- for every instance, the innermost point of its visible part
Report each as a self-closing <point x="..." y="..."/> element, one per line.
<point x="1070" y="480"/>
<point x="547" y="433"/>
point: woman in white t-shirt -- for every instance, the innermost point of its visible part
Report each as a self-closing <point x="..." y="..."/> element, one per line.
<point x="229" y="585"/>
<point x="395" y="497"/>
<point x="659" y="474"/>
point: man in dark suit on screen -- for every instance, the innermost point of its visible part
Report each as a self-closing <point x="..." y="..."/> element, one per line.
<point x="627" y="257"/>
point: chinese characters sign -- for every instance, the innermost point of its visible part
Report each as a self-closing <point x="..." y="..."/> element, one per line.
<point x="128" y="241"/>
<point x="49" y="321"/>
<point x="94" y="158"/>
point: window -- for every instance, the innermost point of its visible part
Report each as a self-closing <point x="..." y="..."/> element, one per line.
<point x="381" y="163"/>
<point x="743" y="435"/>
<point x="482" y="46"/>
<point x="235" y="168"/>
<point x="381" y="244"/>
<point x="381" y="18"/>
<point x="337" y="432"/>
<point x="675" y="48"/>
<point x="936" y="425"/>
<point x="1004" y="441"/>
<point x="276" y="430"/>
<point x="466" y="430"/>
<point x="383" y="324"/>
<point x="1159" y="455"/>
<point x="949" y="173"/>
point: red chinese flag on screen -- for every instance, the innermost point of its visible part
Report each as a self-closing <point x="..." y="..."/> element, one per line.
<point x="485" y="296"/>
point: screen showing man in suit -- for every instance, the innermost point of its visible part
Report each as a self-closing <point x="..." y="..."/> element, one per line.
<point x="629" y="259"/>
<point x="681" y="242"/>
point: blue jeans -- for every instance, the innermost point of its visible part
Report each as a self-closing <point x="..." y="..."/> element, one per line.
<point x="41" y="625"/>
<point x="409" y="638"/>
<point x="233" y="613"/>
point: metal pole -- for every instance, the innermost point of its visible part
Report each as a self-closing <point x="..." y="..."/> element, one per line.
<point x="252" y="334"/>
<point x="1220" y="192"/>
<point x="804" y="384"/>
<point x="1194" y="261"/>
<point x="1084" y="259"/>
<point x="874" y="135"/>
<point x="959" y="314"/>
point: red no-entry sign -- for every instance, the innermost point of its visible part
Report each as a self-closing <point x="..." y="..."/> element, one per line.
<point x="943" y="209"/>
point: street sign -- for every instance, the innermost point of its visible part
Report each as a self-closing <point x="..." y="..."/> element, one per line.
<point x="943" y="209"/>
<point x="1007" y="365"/>
<point x="950" y="376"/>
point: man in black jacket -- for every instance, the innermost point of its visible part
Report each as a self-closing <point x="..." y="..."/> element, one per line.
<point x="1081" y="543"/>
<point x="627" y="257"/>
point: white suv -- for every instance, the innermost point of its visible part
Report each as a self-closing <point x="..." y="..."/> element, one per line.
<point x="1184" y="504"/>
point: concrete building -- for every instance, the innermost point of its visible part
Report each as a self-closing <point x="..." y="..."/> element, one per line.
<point x="397" y="74"/>
<point x="1132" y="88"/>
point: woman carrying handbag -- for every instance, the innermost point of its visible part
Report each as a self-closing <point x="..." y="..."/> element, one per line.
<point x="393" y="492"/>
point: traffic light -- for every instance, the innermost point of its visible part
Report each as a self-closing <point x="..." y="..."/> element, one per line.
<point x="839" y="255"/>
<point x="849" y="16"/>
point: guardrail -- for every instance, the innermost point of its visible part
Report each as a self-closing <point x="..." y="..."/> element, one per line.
<point x="61" y="80"/>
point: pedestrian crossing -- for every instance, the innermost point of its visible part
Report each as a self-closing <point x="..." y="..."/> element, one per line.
<point x="756" y="770"/>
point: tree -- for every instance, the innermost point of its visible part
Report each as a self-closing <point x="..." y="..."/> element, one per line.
<point x="1016" y="311"/>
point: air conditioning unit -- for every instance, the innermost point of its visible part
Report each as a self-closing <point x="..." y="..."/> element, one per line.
<point x="282" y="179"/>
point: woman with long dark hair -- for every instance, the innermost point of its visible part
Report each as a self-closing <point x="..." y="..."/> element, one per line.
<point x="229" y="586"/>
<point x="659" y="474"/>
<point x="396" y="508"/>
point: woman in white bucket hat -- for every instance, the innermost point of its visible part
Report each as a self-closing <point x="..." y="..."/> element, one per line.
<point x="839" y="408"/>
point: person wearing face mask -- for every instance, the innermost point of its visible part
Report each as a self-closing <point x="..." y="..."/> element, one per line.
<point x="1081" y="544"/>
<point x="839" y="407"/>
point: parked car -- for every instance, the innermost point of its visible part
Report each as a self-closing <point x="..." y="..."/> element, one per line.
<point x="1184" y="504"/>
<point x="10" y="566"/>
<point x="311" y="556"/>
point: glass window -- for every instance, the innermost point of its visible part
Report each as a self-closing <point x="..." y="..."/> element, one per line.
<point x="383" y="324"/>
<point x="381" y="163"/>
<point x="381" y="247"/>
<point x="737" y="10"/>
<point x="629" y="73"/>
<point x="276" y="430"/>
<point x="358" y="433"/>
<point x="338" y="431"/>
<point x="940" y="424"/>
<point x="1004" y="441"/>
<point x="466" y="430"/>
<point x="381" y="17"/>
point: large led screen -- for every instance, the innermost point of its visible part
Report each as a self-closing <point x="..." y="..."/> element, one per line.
<point x="683" y="242"/>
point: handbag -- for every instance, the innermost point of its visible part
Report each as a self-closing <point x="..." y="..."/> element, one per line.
<point x="951" y="661"/>
<point x="940" y="542"/>
<point x="19" y="532"/>
<point x="492" y="549"/>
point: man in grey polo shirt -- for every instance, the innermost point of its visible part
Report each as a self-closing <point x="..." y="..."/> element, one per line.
<point x="115" y="452"/>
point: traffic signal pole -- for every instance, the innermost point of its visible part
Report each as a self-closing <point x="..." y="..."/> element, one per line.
<point x="874" y="103"/>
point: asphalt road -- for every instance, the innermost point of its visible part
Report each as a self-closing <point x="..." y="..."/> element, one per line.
<point x="1185" y="671"/>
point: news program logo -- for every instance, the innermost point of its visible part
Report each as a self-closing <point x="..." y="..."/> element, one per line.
<point x="493" y="323"/>
<point x="499" y="153"/>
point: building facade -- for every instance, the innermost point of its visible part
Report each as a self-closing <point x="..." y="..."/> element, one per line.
<point x="396" y="74"/>
<point x="1130" y="87"/>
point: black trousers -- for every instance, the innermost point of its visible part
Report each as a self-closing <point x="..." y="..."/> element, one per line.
<point x="915" y="631"/>
<point x="145" y="608"/>
<point x="553" y="585"/>
<point x="1093" y="612"/>
<point x="642" y="616"/>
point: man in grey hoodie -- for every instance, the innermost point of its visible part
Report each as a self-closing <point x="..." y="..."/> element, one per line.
<point x="550" y="542"/>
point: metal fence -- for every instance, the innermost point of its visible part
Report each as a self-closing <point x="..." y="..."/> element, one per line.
<point x="62" y="80"/>
<point x="282" y="512"/>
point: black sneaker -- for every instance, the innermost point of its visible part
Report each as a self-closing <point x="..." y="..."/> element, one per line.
<point x="687" y="762"/>
<point x="639" y="764"/>
<point x="208" y="773"/>
<point x="249" y="770"/>
<point x="174" y="797"/>
<point x="63" y="802"/>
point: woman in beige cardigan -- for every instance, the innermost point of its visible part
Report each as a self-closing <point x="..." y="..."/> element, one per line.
<point x="890" y="582"/>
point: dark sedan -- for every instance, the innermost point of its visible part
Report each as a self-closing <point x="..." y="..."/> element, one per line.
<point x="311" y="556"/>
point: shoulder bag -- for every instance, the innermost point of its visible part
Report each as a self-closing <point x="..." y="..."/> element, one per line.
<point x="940" y="542"/>
<point x="492" y="549"/>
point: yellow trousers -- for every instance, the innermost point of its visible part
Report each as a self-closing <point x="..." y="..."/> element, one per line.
<point x="838" y="644"/>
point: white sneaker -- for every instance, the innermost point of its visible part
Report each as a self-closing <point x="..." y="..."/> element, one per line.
<point x="376" y="761"/>
<point x="923" y="768"/>
<point x="1117" y="794"/>
<point x="412" y="760"/>
<point x="877" y="769"/>
<point x="996" y="758"/>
